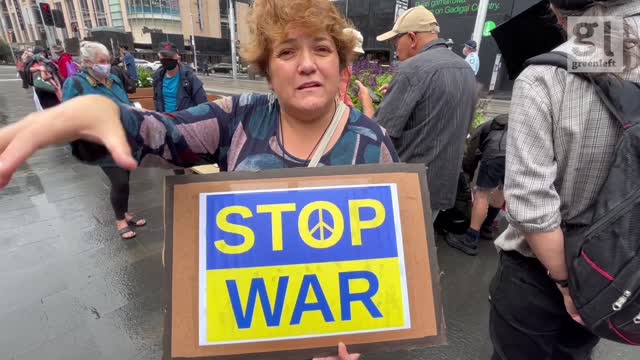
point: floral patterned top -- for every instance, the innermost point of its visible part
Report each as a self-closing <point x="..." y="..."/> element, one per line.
<point x="241" y="134"/>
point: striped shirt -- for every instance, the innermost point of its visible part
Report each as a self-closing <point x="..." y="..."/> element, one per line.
<point x="427" y="112"/>
<point x="560" y="146"/>
<point x="241" y="133"/>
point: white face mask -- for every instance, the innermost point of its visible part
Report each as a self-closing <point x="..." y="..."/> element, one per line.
<point x="55" y="57"/>
<point x="101" y="71"/>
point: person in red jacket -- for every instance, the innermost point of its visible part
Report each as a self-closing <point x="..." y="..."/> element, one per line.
<point x="62" y="59"/>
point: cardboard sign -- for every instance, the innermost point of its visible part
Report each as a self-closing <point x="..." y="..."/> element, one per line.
<point x="286" y="264"/>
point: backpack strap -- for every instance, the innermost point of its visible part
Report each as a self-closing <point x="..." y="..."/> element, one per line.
<point x="610" y="90"/>
<point x="77" y="85"/>
<point x="187" y="84"/>
<point x="605" y="87"/>
<point x="554" y="58"/>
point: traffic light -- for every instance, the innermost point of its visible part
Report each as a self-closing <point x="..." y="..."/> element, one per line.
<point x="47" y="15"/>
<point x="58" y="17"/>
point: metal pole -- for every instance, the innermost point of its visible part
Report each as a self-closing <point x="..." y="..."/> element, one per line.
<point x="483" y="6"/>
<point x="5" y="35"/>
<point x="232" y="30"/>
<point x="50" y="41"/>
<point x="193" y="42"/>
<point x="54" y="30"/>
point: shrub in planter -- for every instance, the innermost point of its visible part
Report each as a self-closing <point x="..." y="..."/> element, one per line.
<point x="372" y="75"/>
<point x="145" y="78"/>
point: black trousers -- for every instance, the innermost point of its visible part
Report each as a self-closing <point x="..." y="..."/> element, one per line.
<point x="23" y="77"/>
<point x="119" y="190"/>
<point x="528" y="319"/>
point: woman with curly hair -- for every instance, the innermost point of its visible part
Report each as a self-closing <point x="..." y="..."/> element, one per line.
<point x="299" y="45"/>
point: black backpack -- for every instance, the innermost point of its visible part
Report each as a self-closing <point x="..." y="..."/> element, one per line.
<point x="603" y="253"/>
<point x="129" y="85"/>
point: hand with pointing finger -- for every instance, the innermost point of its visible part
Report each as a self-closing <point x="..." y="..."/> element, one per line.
<point x="61" y="124"/>
<point x="343" y="354"/>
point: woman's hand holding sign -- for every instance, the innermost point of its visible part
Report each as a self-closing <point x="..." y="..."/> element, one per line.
<point x="343" y="354"/>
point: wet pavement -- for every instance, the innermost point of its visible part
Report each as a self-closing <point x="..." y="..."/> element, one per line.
<point x="70" y="289"/>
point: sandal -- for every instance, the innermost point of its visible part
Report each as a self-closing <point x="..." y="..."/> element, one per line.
<point x="134" y="222"/>
<point x="124" y="231"/>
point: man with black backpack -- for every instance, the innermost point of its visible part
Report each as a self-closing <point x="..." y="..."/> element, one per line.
<point x="175" y="86"/>
<point x="559" y="287"/>
<point x="129" y="84"/>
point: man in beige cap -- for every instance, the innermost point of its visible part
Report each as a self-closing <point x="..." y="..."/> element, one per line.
<point x="429" y="105"/>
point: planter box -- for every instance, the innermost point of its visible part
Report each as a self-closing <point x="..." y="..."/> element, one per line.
<point x="144" y="96"/>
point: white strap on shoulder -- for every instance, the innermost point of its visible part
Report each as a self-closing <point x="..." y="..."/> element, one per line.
<point x="326" y="139"/>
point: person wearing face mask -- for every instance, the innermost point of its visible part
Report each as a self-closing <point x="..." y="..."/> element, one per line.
<point x="175" y="86"/>
<point x="96" y="78"/>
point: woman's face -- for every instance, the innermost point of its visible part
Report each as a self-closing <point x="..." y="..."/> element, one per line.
<point x="304" y="71"/>
<point x="101" y="59"/>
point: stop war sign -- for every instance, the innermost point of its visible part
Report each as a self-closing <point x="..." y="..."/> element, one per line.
<point x="289" y="263"/>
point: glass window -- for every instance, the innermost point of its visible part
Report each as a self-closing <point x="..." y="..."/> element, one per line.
<point x="71" y="8"/>
<point x="224" y="8"/>
<point x="224" y="28"/>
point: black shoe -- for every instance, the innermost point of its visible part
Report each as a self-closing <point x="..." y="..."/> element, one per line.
<point x="462" y="243"/>
<point x="487" y="233"/>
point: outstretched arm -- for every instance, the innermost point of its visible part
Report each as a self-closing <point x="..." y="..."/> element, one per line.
<point x="180" y="139"/>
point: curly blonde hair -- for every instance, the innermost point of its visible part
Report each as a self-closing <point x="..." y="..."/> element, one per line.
<point x="271" y="20"/>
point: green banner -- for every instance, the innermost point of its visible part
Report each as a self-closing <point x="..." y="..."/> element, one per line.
<point x="457" y="7"/>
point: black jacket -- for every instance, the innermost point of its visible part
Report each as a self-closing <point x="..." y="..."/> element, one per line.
<point x="487" y="143"/>
<point x="190" y="92"/>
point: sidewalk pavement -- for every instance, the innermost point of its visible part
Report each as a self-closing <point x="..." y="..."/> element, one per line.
<point x="230" y="87"/>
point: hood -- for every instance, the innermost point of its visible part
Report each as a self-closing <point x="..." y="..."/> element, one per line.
<point x="627" y="10"/>
<point x="630" y="9"/>
<point x="66" y="56"/>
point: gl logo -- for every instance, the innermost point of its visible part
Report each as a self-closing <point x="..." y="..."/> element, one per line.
<point x="585" y="31"/>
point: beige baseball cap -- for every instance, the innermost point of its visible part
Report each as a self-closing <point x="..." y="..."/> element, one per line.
<point x="359" y="39"/>
<point x="416" y="19"/>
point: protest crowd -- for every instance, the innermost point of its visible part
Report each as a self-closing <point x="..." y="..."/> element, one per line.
<point x="526" y="180"/>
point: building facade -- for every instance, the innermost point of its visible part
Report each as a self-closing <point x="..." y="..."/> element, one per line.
<point x="21" y="21"/>
<point x="206" y="18"/>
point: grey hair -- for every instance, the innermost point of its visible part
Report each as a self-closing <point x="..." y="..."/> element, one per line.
<point x="90" y="50"/>
<point x="631" y="38"/>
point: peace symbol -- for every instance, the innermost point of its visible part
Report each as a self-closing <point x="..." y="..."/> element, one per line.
<point x="322" y="227"/>
<point x="322" y="235"/>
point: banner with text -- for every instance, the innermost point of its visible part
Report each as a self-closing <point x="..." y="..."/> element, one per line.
<point x="309" y="262"/>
